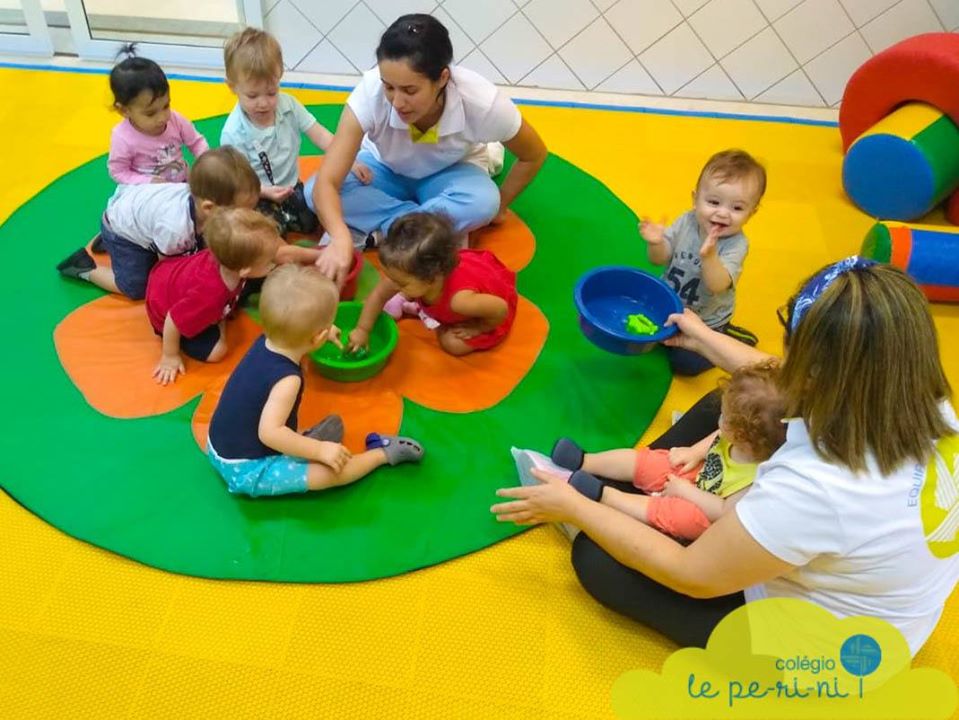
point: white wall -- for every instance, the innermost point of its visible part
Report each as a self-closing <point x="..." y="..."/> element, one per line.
<point x="796" y="52"/>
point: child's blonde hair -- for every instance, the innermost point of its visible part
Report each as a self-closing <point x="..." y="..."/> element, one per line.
<point x="240" y="237"/>
<point x="222" y="176"/>
<point x="296" y="303"/>
<point x="252" y="54"/>
<point x="754" y="408"/>
<point x="732" y="165"/>
<point x="421" y="244"/>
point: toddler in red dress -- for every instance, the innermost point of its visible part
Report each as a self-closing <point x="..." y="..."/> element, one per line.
<point x="469" y="296"/>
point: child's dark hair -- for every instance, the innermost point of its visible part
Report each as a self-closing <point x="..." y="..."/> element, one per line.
<point x="754" y="407"/>
<point x="421" y="244"/>
<point x="421" y="40"/>
<point x="132" y="75"/>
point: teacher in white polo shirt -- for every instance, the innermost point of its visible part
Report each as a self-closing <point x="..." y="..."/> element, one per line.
<point x="422" y="126"/>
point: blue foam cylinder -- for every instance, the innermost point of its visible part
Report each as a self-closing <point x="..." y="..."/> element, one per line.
<point x="888" y="177"/>
<point x="904" y="165"/>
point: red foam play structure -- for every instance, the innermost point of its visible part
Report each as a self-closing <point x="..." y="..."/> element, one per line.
<point x="924" y="68"/>
<point x="952" y="209"/>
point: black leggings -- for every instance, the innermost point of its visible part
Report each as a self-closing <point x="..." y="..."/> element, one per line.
<point x="685" y="620"/>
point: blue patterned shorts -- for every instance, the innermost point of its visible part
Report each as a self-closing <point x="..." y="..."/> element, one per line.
<point x="271" y="475"/>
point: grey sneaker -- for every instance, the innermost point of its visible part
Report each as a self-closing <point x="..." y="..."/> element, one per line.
<point x="361" y="240"/>
<point x="398" y="449"/>
<point x="329" y="429"/>
<point x="76" y="265"/>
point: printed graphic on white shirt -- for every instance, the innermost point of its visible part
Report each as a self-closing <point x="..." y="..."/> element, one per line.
<point x="940" y="499"/>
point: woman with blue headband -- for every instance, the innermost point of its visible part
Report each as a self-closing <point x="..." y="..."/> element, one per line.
<point x="857" y="512"/>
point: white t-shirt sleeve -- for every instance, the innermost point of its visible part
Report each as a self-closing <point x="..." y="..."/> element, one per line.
<point x="790" y="515"/>
<point x="304" y="118"/>
<point x="503" y="120"/>
<point x="362" y="101"/>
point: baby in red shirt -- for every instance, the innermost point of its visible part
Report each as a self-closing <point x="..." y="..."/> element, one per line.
<point x="188" y="298"/>
<point x="469" y="296"/>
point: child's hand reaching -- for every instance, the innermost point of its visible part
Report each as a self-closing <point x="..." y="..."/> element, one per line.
<point x="334" y="337"/>
<point x="652" y="233"/>
<point x="359" y="340"/>
<point x="677" y="487"/>
<point x="168" y="368"/>
<point x="363" y="173"/>
<point x="275" y="193"/>
<point x="333" y="455"/>
<point x="684" y="458"/>
<point x="709" y="244"/>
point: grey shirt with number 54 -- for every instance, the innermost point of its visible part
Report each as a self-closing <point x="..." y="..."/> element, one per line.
<point x="685" y="274"/>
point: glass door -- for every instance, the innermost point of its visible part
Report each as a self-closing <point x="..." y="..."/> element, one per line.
<point x="181" y="32"/>
<point x="23" y="30"/>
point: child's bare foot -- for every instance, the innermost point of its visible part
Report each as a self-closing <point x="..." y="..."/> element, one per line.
<point x="398" y="449"/>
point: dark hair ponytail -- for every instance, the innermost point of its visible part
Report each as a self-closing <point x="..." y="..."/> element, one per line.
<point x="421" y="40"/>
<point x="132" y="75"/>
<point x="126" y="51"/>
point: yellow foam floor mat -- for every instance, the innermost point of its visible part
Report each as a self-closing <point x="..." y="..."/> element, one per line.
<point x="504" y="633"/>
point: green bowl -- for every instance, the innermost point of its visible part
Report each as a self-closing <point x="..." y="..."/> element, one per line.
<point x="336" y="364"/>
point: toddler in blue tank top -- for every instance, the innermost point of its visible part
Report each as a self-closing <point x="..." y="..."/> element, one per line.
<point x="254" y="443"/>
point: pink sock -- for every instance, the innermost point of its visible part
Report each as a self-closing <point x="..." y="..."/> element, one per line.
<point x="398" y="306"/>
<point x="394" y="306"/>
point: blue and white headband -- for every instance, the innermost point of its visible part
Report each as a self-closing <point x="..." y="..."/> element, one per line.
<point x="811" y="291"/>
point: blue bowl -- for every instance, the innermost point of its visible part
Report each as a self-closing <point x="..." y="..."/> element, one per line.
<point x="606" y="296"/>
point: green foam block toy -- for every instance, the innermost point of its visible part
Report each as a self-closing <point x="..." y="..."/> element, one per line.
<point x="639" y="324"/>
